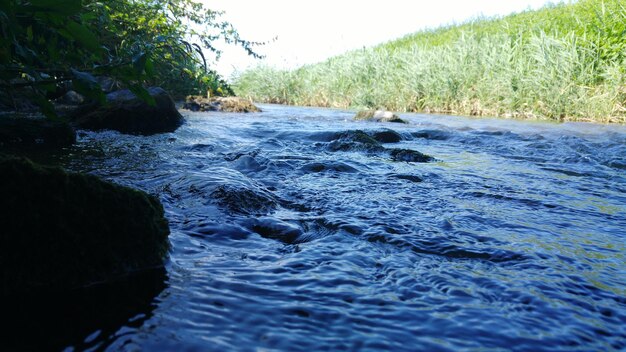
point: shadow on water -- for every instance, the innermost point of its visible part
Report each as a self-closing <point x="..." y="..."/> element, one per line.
<point x="82" y="319"/>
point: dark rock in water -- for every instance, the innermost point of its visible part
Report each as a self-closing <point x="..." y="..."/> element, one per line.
<point x="328" y="166"/>
<point x="436" y="135"/>
<point x="23" y="132"/>
<point x="65" y="230"/>
<point x="411" y="178"/>
<point x="408" y="155"/>
<point x="245" y="200"/>
<point x="378" y="116"/>
<point x="353" y="141"/>
<point x="222" y="104"/>
<point x="126" y="113"/>
<point x="387" y="136"/>
<point x="276" y="229"/>
<point x="71" y="98"/>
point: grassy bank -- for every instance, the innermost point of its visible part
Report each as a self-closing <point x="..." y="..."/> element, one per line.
<point x="562" y="62"/>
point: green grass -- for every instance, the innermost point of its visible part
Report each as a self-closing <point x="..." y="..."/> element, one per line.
<point x="562" y="62"/>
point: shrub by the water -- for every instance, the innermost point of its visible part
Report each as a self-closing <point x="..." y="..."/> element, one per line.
<point x="48" y="47"/>
<point x="65" y="230"/>
<point x="562" y="62"/>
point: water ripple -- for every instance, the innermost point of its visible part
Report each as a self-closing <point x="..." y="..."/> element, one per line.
<point x="298" y="232"/>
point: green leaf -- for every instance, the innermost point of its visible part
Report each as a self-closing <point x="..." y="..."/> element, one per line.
<point x="52" y="45"/>
<point x="149" y="67"/>
<point x="66" y="7"/>
<point x="142" y="93"/>
<point x="139" y="62"/>
<point x="87" y="85"/>
<point x="46" y="107"/>
<point x="84" y="36"/>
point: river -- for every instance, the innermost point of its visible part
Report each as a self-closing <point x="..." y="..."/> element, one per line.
<point x="285" y="236"/>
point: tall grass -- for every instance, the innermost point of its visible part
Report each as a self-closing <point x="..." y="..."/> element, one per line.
<point x="563" y="62"/>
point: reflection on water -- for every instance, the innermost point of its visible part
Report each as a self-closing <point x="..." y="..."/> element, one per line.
<point x="286" y="237"/>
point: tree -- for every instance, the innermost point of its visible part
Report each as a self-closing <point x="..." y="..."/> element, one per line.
<point x="46" y="44"/>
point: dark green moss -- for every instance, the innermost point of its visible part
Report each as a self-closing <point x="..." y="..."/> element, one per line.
<point x="63" y="230"/>
<point x="354" y="141"/>
<point x="410" y="156"/>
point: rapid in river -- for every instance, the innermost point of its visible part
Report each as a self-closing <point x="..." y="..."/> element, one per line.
<point x="300" y="229"/>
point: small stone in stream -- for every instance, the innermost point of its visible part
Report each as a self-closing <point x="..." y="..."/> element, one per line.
<point x="410" y="156"/>
<point x="378" y="116"/>
<point x="411" y="178"/>
<point x="354" y="141"/>
<point x="387" y="136"/>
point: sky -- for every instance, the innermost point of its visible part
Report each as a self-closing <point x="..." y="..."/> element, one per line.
<point x="300" y="32"/>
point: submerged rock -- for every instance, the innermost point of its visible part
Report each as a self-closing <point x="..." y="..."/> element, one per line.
<point x="412" y="178"/>
<point x="387" y="136"/>
<point x="242" y="199"/>
<point x="358" y="140"/>
<point x="353" y="141"/>
<point x="378" y="116"/>
<point x="276" y="229"/>
<point x="222" y="104"/>
<point x="65" y="230"/>
<point x="22" y="132"/>
<point x="127" y="113"/>
<point x="408" y="155"/>
<point x="330" y="166"/>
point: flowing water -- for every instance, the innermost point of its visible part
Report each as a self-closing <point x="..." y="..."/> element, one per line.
<point x="291" y="233"/>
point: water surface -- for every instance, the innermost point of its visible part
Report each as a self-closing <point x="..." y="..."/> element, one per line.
<point x="513" y="238"/>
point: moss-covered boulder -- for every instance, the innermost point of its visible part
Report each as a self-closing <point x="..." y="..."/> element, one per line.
<point x="378" y="116"/>
<point x="127" y="113"/>
<point x="64" y="230"/>
<point x="222" y="104"/>
<point x="409" y="156"/>
<point x="23" y="132"/>
<point x="356" y="140"/>
<point x="387" y="136"/>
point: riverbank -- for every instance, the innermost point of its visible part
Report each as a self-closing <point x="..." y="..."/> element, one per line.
<point x="563" y="62"/>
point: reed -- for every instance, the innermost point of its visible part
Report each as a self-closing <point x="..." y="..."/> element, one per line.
<point x="562" y="62"/>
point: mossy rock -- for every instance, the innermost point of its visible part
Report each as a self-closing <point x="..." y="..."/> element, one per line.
<point x="378" y="116"/>
<point x="27" y="133"/>
<point x="387" y="136"/>
<point x="409" y="156"/>
<point x="127" y="113"/>
<point x="221" y="104"/>
<point x="355" y="140"/>
<point x="65" y="230"/>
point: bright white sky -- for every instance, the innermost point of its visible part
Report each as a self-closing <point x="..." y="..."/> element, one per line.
<point x="313" y="30"/>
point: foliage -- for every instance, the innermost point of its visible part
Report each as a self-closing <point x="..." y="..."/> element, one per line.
<point x="561" y="62"/>
<point x="48" y="43"/>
